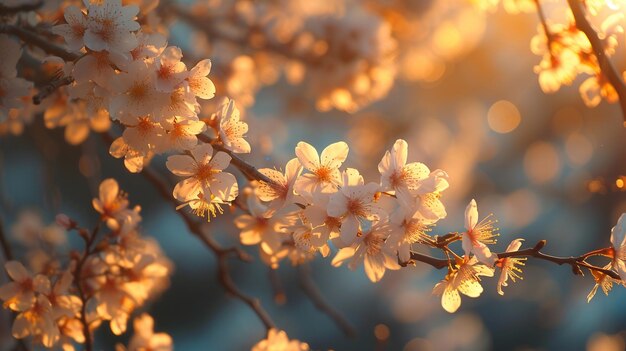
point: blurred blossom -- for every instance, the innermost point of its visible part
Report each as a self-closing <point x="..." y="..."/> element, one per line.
<point x="606" y="342"/>
<point x="541" y="162"/>
<point x="503" y="117"/>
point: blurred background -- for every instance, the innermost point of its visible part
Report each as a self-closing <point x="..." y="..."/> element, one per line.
<point x="454" y="79"/>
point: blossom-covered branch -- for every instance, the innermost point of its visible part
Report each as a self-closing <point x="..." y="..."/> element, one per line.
<point x="222" y="254"/>
<point x="577" y="263"/>
<point x="600" y="52"/>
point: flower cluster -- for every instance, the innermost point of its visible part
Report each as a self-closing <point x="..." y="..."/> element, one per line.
<point x="316" y="203"/>
<point x="345" y="59"/>
<point x="64" y="296"/>
<point x="277" y="340"/>
<point x="128" y="73"/>
<point x="567" y="53"/>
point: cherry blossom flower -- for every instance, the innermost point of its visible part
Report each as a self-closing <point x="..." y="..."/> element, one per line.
<point x="354" y="202"/>
<point x="37" y="321"/>
<point x="260" y="227"/>
<point x="324" y="173"/>
<point x="143" y="135"/>
<point x="509" y="265"/>
<point x="428" y="196"/>
<point x="110" y="26"/>
<point x="19" y="295"/>
<point x="98" y="67"/>
<point x="199" y="84"/>
<point x="464" y="279"/>
<point x="112" y="302"/>
<point x="479" y="235"/>
<point x="112" y="204"/>
<point x="306" y="239"/>
<point x="135" y="92"/>
<point x="396" y="174"/>
<point x="182" y="134"/>
<point x="407" y="228"/>
<point x="324" y="226"/>
<point x="145" y="338"/>
<point x="134" y="160"/>
<point x="31" y="231"/>
<point x="603" y="281"/>
<point x="74" y="30"/>
<point x="64" y="304"/>
<point x="596" y="87"/>
<point x="149" y="45"/>
<point x="169" y="70"/>
<point x="231" y="129"/>
<point x="203" y="206"/>
<point x="179" y="103"/>
<point x="618" y="242"/>
<point x="370" y="248"/>
<point x="204" y="172"/>
<point x="280" y="192"/>
<point x="277" y="340"/>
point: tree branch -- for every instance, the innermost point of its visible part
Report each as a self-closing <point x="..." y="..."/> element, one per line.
<point x="248" y="170"/>
<point x="313" y="292"/>
<point x="50" y="88"/>
<point x="606" y="66"/>
<point x="220" y="252"/>
<point x="6" y="248"/>
<point x="577" y="263"/>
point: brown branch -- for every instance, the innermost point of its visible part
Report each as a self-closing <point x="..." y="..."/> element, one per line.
<point x="313" y="292"/>
<point x="577" y="263"/>
<point x="89" y="239"/>
<point x="248" y="170"/>
<point x="50" y="88"/>
<point x="221" y="253"/>
<point x="544" y="24"/>
<point x="606" y="66"/>
<point x="9" y="10"/>
<point x="6" y="248"/>
<point x="32" y="38"/>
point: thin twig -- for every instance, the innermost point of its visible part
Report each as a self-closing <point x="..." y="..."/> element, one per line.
<point x="248" y="170"/>
<point x="50" y="88"/>
<point x="6" y="248"/>
<point x="577" y="263"/>
<point x="544" y="24"/>
<point x="606" y="66"/>
<point x="313" y="292"/>
<point x="222" y="253"/>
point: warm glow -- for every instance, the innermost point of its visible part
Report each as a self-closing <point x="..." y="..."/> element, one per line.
<point x="541" y="162"/>
<point x="503" y="117"/>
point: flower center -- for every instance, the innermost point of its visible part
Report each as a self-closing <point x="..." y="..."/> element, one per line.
<point x="205" y="172"/>
<point x="374" y="243"/>
<point x="138" y="91"/>
<point x="323" y="174"/>
<point x="356" y="207"/>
